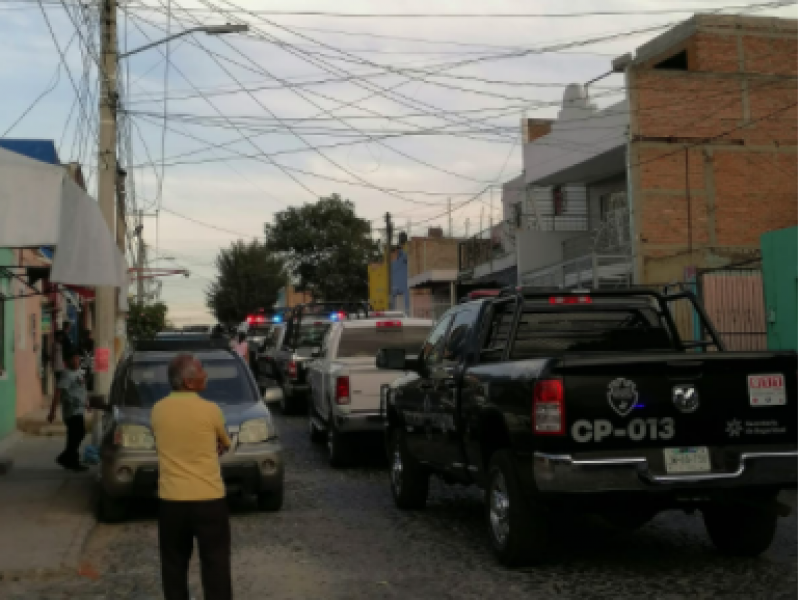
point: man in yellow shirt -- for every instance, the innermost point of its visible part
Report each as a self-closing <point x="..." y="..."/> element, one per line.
<point x="190" y="436"/>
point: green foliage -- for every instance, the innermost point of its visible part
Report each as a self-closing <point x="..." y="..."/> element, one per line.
<point x="146" y="320"/>
<point x="327" y="248"/>
<point x="248" y="278"/>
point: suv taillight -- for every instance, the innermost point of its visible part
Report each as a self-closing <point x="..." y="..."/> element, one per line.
<point x="291" y="370"/>
<point x="548" y="407"/>
<point x="342" y="390"/>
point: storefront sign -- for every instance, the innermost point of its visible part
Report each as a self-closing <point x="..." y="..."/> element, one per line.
<point x="102" y="356"/>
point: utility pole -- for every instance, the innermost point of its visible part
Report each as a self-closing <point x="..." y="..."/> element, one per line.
<point x="106" y="313"/>
<point x="449" y="219"/>
<point x="466" y="228"/>
<point x="481" y="222"/>
<point x="140" y="261"/>
<point x="388" y="259"/>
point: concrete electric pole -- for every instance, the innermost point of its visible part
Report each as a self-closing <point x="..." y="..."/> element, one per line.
<point x="106" y="297"/>
<point x="388" y="259"/>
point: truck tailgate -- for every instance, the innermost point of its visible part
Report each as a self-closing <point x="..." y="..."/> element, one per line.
<point x="621" y="403"/>
<point x="365" y="382"/>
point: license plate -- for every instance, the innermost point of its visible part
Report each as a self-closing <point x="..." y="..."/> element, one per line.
<point x="766" y="390"/>
<point x="695" y="459"/>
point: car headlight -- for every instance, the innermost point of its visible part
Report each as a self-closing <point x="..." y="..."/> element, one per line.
<point x="254" y="431"/>
<point x="137" y="437"/>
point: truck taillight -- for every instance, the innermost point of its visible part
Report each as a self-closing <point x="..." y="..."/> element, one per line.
<point x="291" y="370"/>
<point x="388" y="324"/>
<point x="342" y="390"/>
<point x="548" y="407"/>
<point x="570" y="299"/>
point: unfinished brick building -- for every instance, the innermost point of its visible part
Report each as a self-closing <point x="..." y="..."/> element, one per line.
<point x="712" y="158"/>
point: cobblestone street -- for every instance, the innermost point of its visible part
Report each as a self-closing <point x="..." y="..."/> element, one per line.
<point x="339" y="536"/>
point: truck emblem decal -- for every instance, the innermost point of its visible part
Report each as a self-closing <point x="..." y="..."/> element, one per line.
<point x="734" y="428"/>
<point x="685" y="398"/>
<point x="622" y="396"/>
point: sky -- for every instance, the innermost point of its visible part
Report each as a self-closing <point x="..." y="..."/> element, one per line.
<point x="242" y="126"/>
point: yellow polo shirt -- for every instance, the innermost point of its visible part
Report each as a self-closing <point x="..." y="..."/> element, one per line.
<point x="187" y="430"/>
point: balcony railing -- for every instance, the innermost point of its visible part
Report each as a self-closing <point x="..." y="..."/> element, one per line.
<point x="594" y="271"/>
<point x="481" y="248"/>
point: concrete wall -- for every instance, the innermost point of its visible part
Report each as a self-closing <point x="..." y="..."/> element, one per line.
<point x="8" y="391"/>
<point x="28" y="345"/>
<point x="539" y="249"/>
<point x="426" y="254"/>
<point x="735" y="110"/>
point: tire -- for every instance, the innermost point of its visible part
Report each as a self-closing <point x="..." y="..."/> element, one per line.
<point x="408" y="479"/>
<point x="517" y="526"/>
<point x="270" y="501"/>
<point x="288" y="404"/>
<point x="111" y="510"/>
<point x="745" y="529"/>
<point x="316" y="435"/>
<point x="338" y="446"/>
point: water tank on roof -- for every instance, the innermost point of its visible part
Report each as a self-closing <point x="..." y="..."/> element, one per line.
<point x="575" y="102"/>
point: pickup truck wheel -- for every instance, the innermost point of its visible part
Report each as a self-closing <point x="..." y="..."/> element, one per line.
<point x="517" y="526"/>
<point x="271" y="501"/>
<point x="741" y="529"/>
<point x="317" y="435"/>
<point x="409" y="479"/>
<point x="111" y="510"/>
<point x="338" y="446"/>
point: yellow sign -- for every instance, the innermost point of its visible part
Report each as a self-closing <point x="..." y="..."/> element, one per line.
<point x="377" y="286"/>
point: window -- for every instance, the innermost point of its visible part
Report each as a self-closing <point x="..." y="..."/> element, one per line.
<point x="456" y="346"/>
<point x="147" y="383"/>
<point x="499" y="330"/>
<point x="432" y="350"/>
<point x="365" y="342"/>
<point x="558" y="200"/>
<point x="549" y="333"/>
<point x="676" y="62"/>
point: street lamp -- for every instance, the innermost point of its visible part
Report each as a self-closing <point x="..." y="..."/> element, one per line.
<point x="207" y="29"/>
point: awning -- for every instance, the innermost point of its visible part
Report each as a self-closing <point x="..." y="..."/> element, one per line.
<point x="40" y="205"/>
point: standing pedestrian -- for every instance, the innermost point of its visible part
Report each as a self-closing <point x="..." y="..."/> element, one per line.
<point x="71" y="395"/>
<point x="60" y="342"/>
<point x="241" y="346"/>
<point x="190" y="436"/>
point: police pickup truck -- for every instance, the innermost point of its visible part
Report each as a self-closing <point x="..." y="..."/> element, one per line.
<point x="560" y="402"/>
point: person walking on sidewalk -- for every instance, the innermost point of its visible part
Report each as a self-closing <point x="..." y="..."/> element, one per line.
<point x="71" y="395"/>
<point x="190" y="437"/>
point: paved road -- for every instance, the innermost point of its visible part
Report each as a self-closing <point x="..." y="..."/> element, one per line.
<point x="340" y="537"/>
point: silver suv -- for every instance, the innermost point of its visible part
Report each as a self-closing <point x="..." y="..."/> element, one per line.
<point x="129" y="470"/>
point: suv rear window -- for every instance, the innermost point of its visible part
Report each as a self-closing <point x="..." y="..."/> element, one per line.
<point x="147" y="383"/>
<point x="548" y="333"/>
<point x="365" y="342"/>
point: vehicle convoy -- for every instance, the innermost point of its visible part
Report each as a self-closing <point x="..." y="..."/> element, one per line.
<point x="129" y="462"/>
<point x="345" y="384"/>
<point x="304" y="327"/>
<point x="563" y="402"/>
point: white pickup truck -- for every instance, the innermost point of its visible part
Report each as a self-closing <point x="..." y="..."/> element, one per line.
<point x="346" y="385"/>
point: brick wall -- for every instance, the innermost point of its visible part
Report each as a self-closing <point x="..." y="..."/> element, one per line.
<point x="735" y="109"/>
<point x="425" y="254"/>
<point x="533" y="129"/>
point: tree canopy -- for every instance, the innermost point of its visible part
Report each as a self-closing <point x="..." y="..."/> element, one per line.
<point x="327" y="248"/>
<point x="249" y="277"/>
<point x="146" y="320"/>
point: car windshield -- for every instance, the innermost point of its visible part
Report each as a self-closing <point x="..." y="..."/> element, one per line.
<point x="365" y="342"/>
<point x="147" y="383"/>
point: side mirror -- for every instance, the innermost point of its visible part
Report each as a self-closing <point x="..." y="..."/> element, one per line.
<point x="99" y="402"/>
<point x="273" y="394"/>
<point x="393" y="359"/>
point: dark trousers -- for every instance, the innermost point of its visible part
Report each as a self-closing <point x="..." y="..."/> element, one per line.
<point x="178" y="524"/>
<point x="76" y="431"/>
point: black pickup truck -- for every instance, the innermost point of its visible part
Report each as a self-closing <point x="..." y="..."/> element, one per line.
<point x="560" y="402"/>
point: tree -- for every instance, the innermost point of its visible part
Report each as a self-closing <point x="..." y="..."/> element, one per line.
<point x="146" y="320"/>
<point x="327" y="248"/>
<point x="249" y="277"/>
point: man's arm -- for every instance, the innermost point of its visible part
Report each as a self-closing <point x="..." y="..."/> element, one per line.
<point x="223" y="441"/>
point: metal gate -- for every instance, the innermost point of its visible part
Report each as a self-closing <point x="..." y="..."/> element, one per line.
<point x="733" y="298"/>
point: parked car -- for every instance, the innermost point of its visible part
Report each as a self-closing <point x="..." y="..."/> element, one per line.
<point x="345" y="384"/>
<point x="305" y="326"/>
<point x="129" y="462"/>
<point x="564" y="402"/>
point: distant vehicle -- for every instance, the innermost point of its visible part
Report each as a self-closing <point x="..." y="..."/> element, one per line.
<point x="129" y="471"/>
<point x="561" y="402"/>
<point x="345" y="383"/>
<point x="197" y="329"/>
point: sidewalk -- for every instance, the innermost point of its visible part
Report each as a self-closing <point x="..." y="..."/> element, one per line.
<point x="45" y="513"/>
<point x="35" y="423"/>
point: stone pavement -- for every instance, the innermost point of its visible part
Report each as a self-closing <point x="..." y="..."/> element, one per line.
<point x="45" y="513"/>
